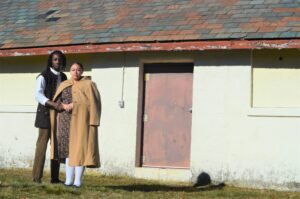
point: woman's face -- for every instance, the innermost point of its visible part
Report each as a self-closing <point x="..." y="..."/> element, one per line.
<point x="56" y="62"/>
<point x="76" y="72"/>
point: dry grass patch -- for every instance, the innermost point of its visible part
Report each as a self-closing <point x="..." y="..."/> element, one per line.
<point x="16" y="183"/>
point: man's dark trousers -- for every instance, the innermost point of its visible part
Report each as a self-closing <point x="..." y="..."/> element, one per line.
<point x="40" y="155"/>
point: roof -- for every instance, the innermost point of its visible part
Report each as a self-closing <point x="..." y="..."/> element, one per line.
<point x="37" y="23"/>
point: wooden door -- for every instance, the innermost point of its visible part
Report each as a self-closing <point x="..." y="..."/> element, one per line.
<point x="167" y="115"/>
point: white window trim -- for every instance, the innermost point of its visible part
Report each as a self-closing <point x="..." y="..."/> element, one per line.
<point x="18" y="108"/>
<point x="274" y="112"/>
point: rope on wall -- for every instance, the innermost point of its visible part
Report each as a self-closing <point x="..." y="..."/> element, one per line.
<point x="121" y="102"/>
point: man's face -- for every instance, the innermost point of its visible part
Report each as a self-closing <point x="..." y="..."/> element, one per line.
<point x="56" y="62"/>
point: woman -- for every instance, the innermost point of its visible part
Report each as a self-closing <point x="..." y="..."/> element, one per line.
<point x="74" y="130"/>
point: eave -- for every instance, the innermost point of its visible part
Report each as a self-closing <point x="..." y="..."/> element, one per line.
<point x="155" y="46"/>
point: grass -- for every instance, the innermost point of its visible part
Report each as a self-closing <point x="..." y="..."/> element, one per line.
<point x="16" y="183"/>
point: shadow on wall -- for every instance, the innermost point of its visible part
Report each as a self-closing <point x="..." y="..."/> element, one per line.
<point x="23" y="64"/>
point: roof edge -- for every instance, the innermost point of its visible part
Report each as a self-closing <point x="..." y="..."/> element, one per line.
<point x="155" y="46"/>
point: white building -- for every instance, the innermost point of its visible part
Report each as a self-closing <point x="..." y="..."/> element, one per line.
<point x="230" y="108"/>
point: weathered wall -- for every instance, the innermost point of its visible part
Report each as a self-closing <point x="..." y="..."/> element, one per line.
<point x="231" y="141"/>
<point x="117" y="125"/>
<point x="17" y="106"/>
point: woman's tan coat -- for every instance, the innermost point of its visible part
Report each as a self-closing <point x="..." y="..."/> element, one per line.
<point x="83" y="146"/>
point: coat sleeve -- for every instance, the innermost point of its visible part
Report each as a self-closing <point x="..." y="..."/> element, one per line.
<point x="95" y="105"/>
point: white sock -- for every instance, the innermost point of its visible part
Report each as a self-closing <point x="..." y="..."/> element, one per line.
<point x="69" y="173"/>
<point x="78" y="175"/>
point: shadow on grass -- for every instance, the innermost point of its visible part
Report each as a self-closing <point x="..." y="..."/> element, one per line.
<point x="166" y="188"/>
<point x="20" y="186"/>
<point x="203" y="183"/>
<point x="32" y="187"/>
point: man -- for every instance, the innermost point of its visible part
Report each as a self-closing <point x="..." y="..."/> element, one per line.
<point x="46" y="84"/>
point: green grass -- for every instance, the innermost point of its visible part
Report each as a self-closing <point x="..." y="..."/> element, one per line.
<point x="16" y="183"/>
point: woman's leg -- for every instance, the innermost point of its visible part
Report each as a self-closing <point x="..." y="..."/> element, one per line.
<point x="69" y="173"/>
<point x="78" y="175"/>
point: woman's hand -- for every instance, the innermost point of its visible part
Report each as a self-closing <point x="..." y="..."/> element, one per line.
<point x="67" y="107"/>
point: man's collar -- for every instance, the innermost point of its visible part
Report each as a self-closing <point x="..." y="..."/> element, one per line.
<point x="54" y="71"/>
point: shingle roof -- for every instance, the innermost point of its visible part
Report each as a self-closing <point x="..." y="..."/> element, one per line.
<point x="31" y="23"/>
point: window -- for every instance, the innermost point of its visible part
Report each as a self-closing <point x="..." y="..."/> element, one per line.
<point x="276" y="78"/>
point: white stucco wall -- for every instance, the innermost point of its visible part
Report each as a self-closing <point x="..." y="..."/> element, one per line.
<point x="17" y="107"/>
<point x="118" y="125"/>
<point x="231" y="141"/>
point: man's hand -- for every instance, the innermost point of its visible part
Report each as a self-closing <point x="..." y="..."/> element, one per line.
<point x="54" y="105"/>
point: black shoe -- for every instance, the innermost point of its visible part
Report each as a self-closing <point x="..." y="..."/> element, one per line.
<point x="68" y="185"/>
<point x="57" y="181"/>
<point x="75" y="186"/>
<point x="36" y="181"/>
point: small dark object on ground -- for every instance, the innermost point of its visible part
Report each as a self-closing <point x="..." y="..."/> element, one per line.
<point x="204" y="182"/>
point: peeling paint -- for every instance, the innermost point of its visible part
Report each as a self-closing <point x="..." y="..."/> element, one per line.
<point x="111" y="167"/>
<point x="178" y="48"/>
<point x="276" y="46"/>
<point x="20" y="161"/>
<point x="217" y="47"/>
<point x="167" y="46"/>
<point x="114" y="49"/>
<point x="21" y="54"/>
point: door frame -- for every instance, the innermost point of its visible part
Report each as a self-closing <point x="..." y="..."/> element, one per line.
<point x="140" y="108"/>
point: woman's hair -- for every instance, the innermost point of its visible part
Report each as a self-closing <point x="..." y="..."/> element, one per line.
<point x="79" y="64"/>
<point x="61" y="55"/>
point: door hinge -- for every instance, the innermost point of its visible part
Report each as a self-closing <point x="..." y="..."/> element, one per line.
<point x="147" y="76"/>
<point x="145" y="118"/>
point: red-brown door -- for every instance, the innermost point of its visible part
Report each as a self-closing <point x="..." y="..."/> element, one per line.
<point x="167" y="115"/>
